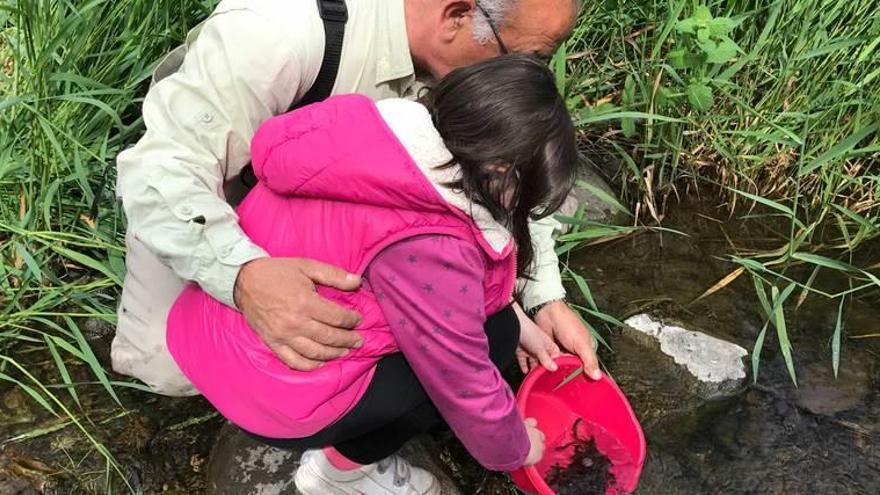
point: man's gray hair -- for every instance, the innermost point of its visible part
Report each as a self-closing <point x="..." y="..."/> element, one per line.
<point x="498" y="11"/>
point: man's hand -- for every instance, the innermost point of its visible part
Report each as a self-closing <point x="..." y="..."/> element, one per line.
<point x="559" y="321"/>
<point x="277" y="297"/>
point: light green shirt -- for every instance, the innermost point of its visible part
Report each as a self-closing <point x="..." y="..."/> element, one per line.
<point x="245" y="64"/>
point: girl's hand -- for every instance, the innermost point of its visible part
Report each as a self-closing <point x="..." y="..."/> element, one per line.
<point x="535" y="346"/>
<point x="536" y="440"/>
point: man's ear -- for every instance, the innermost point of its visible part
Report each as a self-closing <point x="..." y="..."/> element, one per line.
<point x="455" y="16"/>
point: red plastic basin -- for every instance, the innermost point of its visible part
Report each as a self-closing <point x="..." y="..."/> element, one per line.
<point x="605" y="416"/>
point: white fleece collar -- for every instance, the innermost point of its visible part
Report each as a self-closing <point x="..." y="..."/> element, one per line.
<point x="411" y="123"/>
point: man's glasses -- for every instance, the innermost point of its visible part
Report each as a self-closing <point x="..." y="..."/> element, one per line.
<point x="493" y="27"/>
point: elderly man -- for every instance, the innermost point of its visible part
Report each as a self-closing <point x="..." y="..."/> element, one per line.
<point x="249" y="61"/>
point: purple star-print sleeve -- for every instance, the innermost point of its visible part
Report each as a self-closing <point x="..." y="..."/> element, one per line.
<point x="430" y="289"/>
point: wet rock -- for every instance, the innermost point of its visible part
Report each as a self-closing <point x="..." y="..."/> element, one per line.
<point x="17" y="487"/>
<point x="21" y="474"/>
<point x="16" y="407"/>
<point x="821" y="393"/>
<point x="663" y="474"/>
<point x="658" y="387"/>
<point x="715" y="363"/>
<point x="241" y="465"/>
<point x="595" y="209"/>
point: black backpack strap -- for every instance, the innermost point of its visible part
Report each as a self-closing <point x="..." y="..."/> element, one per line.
<point x="334" y="14"/>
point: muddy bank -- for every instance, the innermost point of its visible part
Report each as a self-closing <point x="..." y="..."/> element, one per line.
<point x="161" y="444"/>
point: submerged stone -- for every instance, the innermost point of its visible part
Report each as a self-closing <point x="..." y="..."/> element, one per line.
<point x="820" y="392"/>
<point x="709" y="359"/>
<point x="666" y="370"/>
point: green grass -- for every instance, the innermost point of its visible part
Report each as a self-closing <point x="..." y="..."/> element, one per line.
<point x="71" y="78"/>
<point x="776" y="104"/>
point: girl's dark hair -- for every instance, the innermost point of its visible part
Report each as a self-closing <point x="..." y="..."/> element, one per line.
<point x="508" y="129"/>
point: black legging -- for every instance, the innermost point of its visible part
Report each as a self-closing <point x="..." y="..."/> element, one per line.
<point x="395" y="406"/>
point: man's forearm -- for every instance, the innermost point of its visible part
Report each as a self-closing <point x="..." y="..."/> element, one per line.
<point x="547" y="279"/>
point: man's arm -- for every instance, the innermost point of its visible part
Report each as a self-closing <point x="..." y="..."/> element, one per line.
<point x="244" y="67"/>
<point x="547" y="280"/>
<point x="240" y="71"/>
<point x="555" y="318"/>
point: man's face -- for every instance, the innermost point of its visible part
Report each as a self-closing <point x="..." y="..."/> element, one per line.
<point x="533" y="26"/>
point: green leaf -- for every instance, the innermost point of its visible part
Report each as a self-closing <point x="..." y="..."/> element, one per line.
<point x="868" y="50"/>
<point x="604" y="317"/>
<point x="702" y="15"/>
<point x="708" y="47"/>
<point x="720" y="26"/>
<point x="90" y="358"/>
<point x="724" y="52"/>
<point x="628" y="125"/>
<point x="117" y="263"/>
<point x="30" y="391"/>
<point x="676" y="58"/>
<point x="750" y="264"/>
<point x="700" y="96"/>
<point x="835" y="339"/>
<point x="62" y="368"/>
<point x="781" y="329"/>
<point x="29" y="260"/>
<point x="824" y="261"/>
<point x="756" y="352"/>
<point x="839" y="149"/>
<point x="558" y="64"/>
<point x="871" y="276"/>
<point x="686" y="26"/>
<point x="702" y="35"/>
<point x="597" y="338"/>
<point x="592" y="119"/>
<point x="831" y="47"/>
<point x="762" y="294"/>
<point x="604" y="196"/>
<point x="584" y="288"/>
<point x="89" y="262"/>
<point x="563" y="248"/>
<point x="772" y="204"/>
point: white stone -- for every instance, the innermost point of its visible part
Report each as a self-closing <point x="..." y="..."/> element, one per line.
<point x="707" y="358"/>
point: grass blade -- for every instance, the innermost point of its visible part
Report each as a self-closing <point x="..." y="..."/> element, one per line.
<point x="835" y="339"/>
<point x="839" y="149"/>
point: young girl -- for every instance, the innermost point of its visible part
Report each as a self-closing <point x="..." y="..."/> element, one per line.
<point x="430" y="203"/>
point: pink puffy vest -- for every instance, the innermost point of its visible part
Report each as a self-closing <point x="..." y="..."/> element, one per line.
<point x="337" y="186"/>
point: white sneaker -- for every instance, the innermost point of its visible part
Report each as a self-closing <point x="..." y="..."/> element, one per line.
<point x="391" y="476"/>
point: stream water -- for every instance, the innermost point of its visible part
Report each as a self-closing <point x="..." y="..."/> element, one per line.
<point x="822" y="436"/>
<point x="772" y="437"/>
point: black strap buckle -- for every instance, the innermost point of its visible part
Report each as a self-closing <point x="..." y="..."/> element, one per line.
<point x="333" y="10"/>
